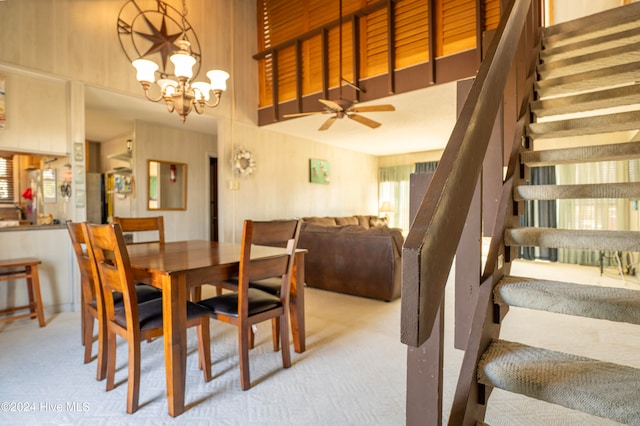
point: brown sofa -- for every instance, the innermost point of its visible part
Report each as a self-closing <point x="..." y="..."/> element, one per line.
<point x="357" y="255"/>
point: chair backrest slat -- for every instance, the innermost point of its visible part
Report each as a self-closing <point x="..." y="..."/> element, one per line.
<point x="143" y="224"/>
<point x="280" y="233"/>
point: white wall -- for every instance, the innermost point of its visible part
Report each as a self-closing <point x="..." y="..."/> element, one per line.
<point x="566" y="10"/>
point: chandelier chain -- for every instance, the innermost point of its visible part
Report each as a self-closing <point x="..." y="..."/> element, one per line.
<point x="184" y="19"/>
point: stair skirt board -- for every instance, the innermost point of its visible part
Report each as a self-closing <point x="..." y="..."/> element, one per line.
<point x="599" y="302"/>
<point x="595" y="387"/>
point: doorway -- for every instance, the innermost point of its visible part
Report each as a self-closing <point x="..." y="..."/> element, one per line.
<point x="213" y="207"/>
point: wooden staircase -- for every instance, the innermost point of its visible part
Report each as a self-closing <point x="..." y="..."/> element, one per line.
<point x="586" y="109"/>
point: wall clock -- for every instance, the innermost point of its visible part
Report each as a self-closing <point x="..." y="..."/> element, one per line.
<point x="149" y="29"/>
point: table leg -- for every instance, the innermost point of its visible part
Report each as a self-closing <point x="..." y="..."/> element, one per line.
<point x="174" y="307"/>
<point x="296" y="304"/>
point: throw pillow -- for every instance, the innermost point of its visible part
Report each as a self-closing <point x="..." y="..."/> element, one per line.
<point x="347" y="220"/>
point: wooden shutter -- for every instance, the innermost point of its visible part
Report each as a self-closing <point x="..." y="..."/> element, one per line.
<point x="6" y="180"/>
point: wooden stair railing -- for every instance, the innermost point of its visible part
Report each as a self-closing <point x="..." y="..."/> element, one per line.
<point x="577" y="67"/>
<point x="437" y="228"/>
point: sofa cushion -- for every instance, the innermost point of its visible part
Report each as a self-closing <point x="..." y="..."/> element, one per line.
<point x="363" y="221"/>
<point x="326" y="221"/>
<point x="349" y="220"/>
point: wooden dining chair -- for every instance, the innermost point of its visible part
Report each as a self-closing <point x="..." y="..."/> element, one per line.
<point x="274" y="233"/>
<point x="91" y="297"/>
<point x="248" y="306"/>
<point x="143" y="224"/>
<point x="136" y="321"/>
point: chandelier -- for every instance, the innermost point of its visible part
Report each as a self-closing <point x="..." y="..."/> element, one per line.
<point x="179" y="92"/>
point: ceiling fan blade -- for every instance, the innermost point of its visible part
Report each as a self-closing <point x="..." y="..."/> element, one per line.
<point x="327" y="123"/>
<point x="303" y="114"/>
<point x="364" y="120"/>
<point x="331" y="104"/>
<point x="372" y="108"/>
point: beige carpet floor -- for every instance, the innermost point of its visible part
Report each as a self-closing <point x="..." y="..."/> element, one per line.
<point x="353" y="372"/>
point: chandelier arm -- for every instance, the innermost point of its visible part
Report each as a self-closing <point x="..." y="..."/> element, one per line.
<point x="145" y="86"/>
<point x="198" y="106"/>
<point x="218" y="95"/>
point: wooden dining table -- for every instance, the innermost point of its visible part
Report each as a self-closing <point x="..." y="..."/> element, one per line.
<point x="176" y="268"/>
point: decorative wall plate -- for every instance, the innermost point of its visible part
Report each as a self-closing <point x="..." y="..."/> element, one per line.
<point x="149" y="29"/>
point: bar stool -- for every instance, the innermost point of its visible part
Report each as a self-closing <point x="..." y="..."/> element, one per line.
<point x="28" y="269"/>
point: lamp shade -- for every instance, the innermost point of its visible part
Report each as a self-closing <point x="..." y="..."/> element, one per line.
<point x="201" y="90"/>
<point x="183" y="64"/>
<point x="167" y="86"/>
<point x="218" y="79"/>
<point x="145" y="70"/>
<point x="386" y="207"/>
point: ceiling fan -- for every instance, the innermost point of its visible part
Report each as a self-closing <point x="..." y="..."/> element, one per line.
<point x="340" y="107"/>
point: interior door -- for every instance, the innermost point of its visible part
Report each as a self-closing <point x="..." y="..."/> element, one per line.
<point x="213" y="208"/>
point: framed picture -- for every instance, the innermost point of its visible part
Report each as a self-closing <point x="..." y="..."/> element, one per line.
<point x="78" y="151"/>
<point x="319" y="171"/>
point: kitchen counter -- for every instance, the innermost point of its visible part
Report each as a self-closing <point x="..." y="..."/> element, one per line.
<point x="15" y="226"/>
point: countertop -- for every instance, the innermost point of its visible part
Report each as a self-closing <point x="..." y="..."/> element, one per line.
<point x="30" y="227"/>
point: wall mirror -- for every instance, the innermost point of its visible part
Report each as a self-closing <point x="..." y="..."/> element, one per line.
<point x="167" y="188"/>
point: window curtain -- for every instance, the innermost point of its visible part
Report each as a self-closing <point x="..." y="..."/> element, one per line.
<point x="426" y="167"/>
<point x="602" y="214"/>
<point x="394" y="188"/>
<point x="540" y="213"/>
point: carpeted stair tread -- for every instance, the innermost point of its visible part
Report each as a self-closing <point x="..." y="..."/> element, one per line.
<point x="583" y="154"/>
<point x="599" y="302"/>
<point x="572" y="238"/>
<point x="596" y="387"/>
<point x="595" y="44"/>
<point x="626" y="190"/>
<point x="590" y="61"/>
<point x="585" y="126"/>
<point x="597" y="79"/>
<point x="583" y="102"/>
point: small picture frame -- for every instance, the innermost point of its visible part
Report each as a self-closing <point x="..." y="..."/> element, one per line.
<point x="78" y="151"/>
<point x="319" y="171"/>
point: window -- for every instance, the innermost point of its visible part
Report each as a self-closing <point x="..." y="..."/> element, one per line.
<point x="6" y="180"/>
<point x="394" y="188"/>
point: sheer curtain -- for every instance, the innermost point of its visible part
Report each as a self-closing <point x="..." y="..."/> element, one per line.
<point x="540" y="213"/>
<point x="601" y="214"/>
<point x="394" y="188"/>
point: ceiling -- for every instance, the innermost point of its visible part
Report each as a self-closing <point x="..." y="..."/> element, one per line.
<point x="423" y="121"/>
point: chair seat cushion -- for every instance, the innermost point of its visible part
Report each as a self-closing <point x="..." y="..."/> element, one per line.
<point x="269" y="285"/>
<point x="227" y="304"/>
<point x="144" y="293"/>
<point x="150" y="314"/>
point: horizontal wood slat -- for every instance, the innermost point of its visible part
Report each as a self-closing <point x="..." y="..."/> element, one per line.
<point x="280" y="22"/>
